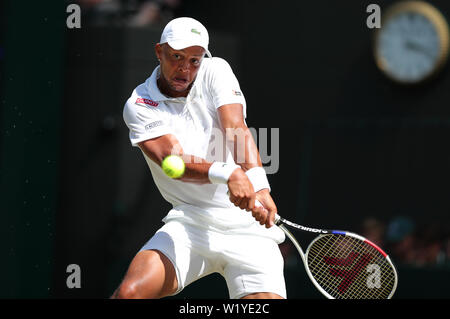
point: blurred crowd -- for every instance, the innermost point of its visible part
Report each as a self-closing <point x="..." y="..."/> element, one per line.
<point x="137" y="13"/>
<point x="406" y="241"/>
<point x="410" y="242"/>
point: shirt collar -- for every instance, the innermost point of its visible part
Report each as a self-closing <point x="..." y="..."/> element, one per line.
<point x="153" y="88"/>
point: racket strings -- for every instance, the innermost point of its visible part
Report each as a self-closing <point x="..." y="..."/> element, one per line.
<point x="316" y="252"/>
<point x="347" y="267"/>
<point x="332" y="277"/>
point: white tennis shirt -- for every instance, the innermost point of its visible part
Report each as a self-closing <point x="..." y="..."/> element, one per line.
<point x="194" y="121"/>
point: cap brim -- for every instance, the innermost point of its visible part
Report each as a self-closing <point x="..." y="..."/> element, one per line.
<point x="180" y="45"/>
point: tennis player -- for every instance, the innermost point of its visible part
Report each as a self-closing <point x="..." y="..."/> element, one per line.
<point x="180" y="109"/>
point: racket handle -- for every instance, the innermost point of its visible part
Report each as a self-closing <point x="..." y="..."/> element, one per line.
<point x="277" y="219"/>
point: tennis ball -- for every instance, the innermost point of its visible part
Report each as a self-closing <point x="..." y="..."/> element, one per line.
<point x="173" y="166"/>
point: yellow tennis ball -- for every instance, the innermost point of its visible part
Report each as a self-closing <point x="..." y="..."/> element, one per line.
<point x="173" y="166"/>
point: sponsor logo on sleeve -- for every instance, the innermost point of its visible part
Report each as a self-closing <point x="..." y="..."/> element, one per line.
<point x="141" y="100"/>
<point x="238" y="93"/>
<point x="153" y="125"/>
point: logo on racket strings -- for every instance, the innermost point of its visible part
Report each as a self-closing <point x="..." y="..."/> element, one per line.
<point x="350" y="267"/>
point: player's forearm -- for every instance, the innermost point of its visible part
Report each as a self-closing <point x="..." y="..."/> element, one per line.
<point x="238" y="136"/>
<point x="196" y="170"/>
<point x="157" y="149"/>
<point x="243" y="147"/>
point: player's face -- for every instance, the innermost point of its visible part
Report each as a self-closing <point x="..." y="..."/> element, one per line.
<point x="178" y="68"/>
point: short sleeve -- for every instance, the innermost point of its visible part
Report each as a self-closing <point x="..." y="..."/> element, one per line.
<point x="144" y="122"/>
<point x="225" y="87"/>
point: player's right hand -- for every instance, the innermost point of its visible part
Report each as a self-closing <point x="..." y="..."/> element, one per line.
<point x="241" y="190"/>
<point x="265" y="202"/>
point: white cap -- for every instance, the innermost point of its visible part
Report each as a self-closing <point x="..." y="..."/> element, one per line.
<point x="181" y="33"/>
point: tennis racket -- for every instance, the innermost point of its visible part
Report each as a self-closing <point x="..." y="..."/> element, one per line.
<point x="344" y="265"/>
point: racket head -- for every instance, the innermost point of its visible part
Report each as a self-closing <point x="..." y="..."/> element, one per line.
<point x="344" y="265"/>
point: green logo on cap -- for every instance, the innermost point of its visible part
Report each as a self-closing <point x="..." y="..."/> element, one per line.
<point x="195" y="31"/>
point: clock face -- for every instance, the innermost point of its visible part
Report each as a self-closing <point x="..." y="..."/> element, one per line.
<point x="408" y="46"/>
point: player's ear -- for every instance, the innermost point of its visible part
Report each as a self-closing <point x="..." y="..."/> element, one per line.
<point x="158" y="51"/>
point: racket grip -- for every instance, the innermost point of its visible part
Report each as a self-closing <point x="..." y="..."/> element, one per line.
<point x="277" y="219"/>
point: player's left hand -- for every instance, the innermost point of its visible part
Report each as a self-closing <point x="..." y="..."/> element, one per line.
<point x="265" y="215"/>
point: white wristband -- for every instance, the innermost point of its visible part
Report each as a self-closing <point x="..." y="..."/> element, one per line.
<point x="258" y="178"/>
<point x="220" y="172"/>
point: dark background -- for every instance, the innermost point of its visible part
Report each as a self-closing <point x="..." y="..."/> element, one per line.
<point x="353" y="146"/>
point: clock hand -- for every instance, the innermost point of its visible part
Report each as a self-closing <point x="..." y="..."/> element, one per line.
<point x="415" y="47"/>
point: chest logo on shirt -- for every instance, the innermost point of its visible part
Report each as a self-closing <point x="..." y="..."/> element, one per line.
<point x="146" y="101"/>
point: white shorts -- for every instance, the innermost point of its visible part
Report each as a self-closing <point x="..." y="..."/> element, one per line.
<point x="249" y="263"/>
